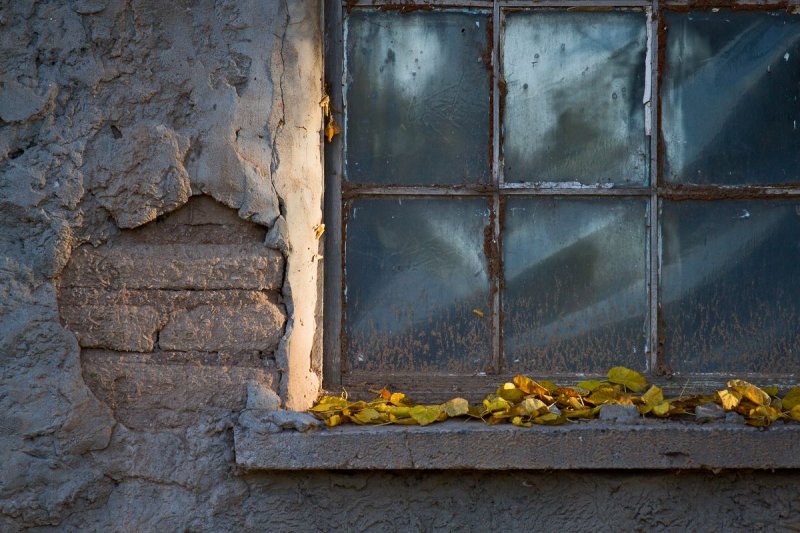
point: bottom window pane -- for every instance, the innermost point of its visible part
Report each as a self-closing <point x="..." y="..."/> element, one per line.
<point x="731" y="286"/>
<point x="417" y="286"/>
<point x="575" y="297"/>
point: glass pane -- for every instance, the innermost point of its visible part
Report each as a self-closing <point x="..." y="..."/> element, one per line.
<point x="575" y="296"/>
<point x="730" y="102"/>
<point x="417" y="285"/>
<point x="573" y="107"/>
<point x="731" y="286"/>
<point x="417" y="92"/>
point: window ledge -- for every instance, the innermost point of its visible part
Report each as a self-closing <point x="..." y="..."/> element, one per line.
<point x="471" y="445"/>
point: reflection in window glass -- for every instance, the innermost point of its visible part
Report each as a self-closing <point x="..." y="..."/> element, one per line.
<point x="731" y="98"/>
<point x="575" y="297"/>
<point x="417" y="289"/>
<point x="417" y="93"/>
<point x="573" y="107"/>
<point x="730" y="291"/>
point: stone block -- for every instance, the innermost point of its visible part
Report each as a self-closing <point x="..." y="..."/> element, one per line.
<point x="127" y="328"/>
<point x="179" y="266"/>
<point x="143" y="386"/>
<point x="225" y="329"/>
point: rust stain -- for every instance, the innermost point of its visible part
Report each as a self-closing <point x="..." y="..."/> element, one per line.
<point x="487" y="62"/>
<point x="680" y="192"/>
<point x="708" y="5"/>
<point x="346" y="207"/>
<point x="406" y="7"/>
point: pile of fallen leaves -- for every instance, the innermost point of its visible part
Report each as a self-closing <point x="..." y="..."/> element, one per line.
<point x="525" y="402"/>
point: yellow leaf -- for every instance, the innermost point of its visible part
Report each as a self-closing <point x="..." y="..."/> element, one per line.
<point x="549" y="419"/>
<point x="771" y="390"/>
<point x="398" y="398"/>
<point x="528" y="386"/>
<point x="477" y="312"/>
<point x="399" y="411"/>
<point x="319" y="229"/>
<point x="365" y="416"/>
<point x="627" y="377"/>
<point x="456" y="407"/>
<point x="531" y="407"/>
<point x="332" y="128"/>
<point x="334" y="420"/>
<point x="653" y="396"/>
<point x="604" y="394"/>
<point x="661" y="409"/>
<point x="581" y="413"/>
<point x="729" y="399"/>
<point x="749" y="391"/>
<point x="794" y="413"/>
<point x="425" y="414"/>
<point x="791" y="399"/>
<point x="508" y="391"/>
<point x="590" y="384"/>
<point x="517" y="421"/>
<point x="493" y="403"/>
<point x="325" y="104"/>
<point x="547" y="384"/>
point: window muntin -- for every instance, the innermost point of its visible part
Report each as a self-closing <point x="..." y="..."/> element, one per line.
<point x="642" y="337"/>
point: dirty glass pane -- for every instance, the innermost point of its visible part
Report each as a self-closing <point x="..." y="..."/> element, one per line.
<point x="417" y="284"/>
<point x="575" y="296"/>
<point x="573" y="108"/>
<point x="731" y="98"/>
<point x="731" y="286"/>
<point x="417" y="92"/>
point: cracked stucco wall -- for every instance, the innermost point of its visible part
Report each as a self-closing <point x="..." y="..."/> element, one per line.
<point x="118" y="116"/>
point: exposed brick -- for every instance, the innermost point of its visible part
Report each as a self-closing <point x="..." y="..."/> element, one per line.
<point x="142" y="386"/>
<point x="228" y="329"/>
<point x="178" y="266"/>
<point x="116" y="327"/>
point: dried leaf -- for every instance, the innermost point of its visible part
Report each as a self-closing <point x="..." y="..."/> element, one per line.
<point x="365" y="416"/>
<point x="518" y="421"/>
<point x="729" y="399"/>
<point x="456" y="407"/>
<point x="332" y="128"/>
<point x="528" y="386"/>
<point x="549" y="419"/>
<point x="591" y="384"/>
<point x="425" y="414"/>
<point x="531" y="407"/>
<point x="549" y="385"/>
<point x="791" y="399"/>
<point x="319" y="229"/>
<point x="653" y="396"/>
<point x="772" y="390"/>
<point x="398" y="398"/>
<point x="749" y="391"/>
<point x="794" y="413"/>
<point x="334" y="420"/>
<point x="628" y="378"/>
<point x="477" y="312"/>
<point x="509" y="391"/>
<point x="493" y="403"/>
<point x="325" y="104"/>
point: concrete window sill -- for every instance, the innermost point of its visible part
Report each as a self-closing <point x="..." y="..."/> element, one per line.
<point x="471" y="445"/>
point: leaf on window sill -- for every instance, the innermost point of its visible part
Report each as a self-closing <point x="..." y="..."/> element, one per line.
<point x="525" y="403"/>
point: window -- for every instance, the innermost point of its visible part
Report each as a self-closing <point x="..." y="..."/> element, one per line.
<point x="557" y="188"/>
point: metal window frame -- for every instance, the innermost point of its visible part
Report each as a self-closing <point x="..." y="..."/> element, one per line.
<point x="337" y="192"/>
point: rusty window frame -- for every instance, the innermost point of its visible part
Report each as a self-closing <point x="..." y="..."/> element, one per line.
<point x="435" y="387"/>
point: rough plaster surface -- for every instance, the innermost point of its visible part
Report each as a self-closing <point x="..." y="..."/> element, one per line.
<point x="112" y="114"/>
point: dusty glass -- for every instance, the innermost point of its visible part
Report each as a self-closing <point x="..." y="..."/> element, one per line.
<point x="574" y="108"/>
<point x="730" y="291"/>
<point x="575" y="297"/>
<point x="731" y="98"/>
<point x="417" y="98"/>
<point x="417" y="285"/>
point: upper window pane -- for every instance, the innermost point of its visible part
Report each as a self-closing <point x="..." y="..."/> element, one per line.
<point x="731" y="98"/>
<point x="417" y="98"/>
<point x="573" y="108"/>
